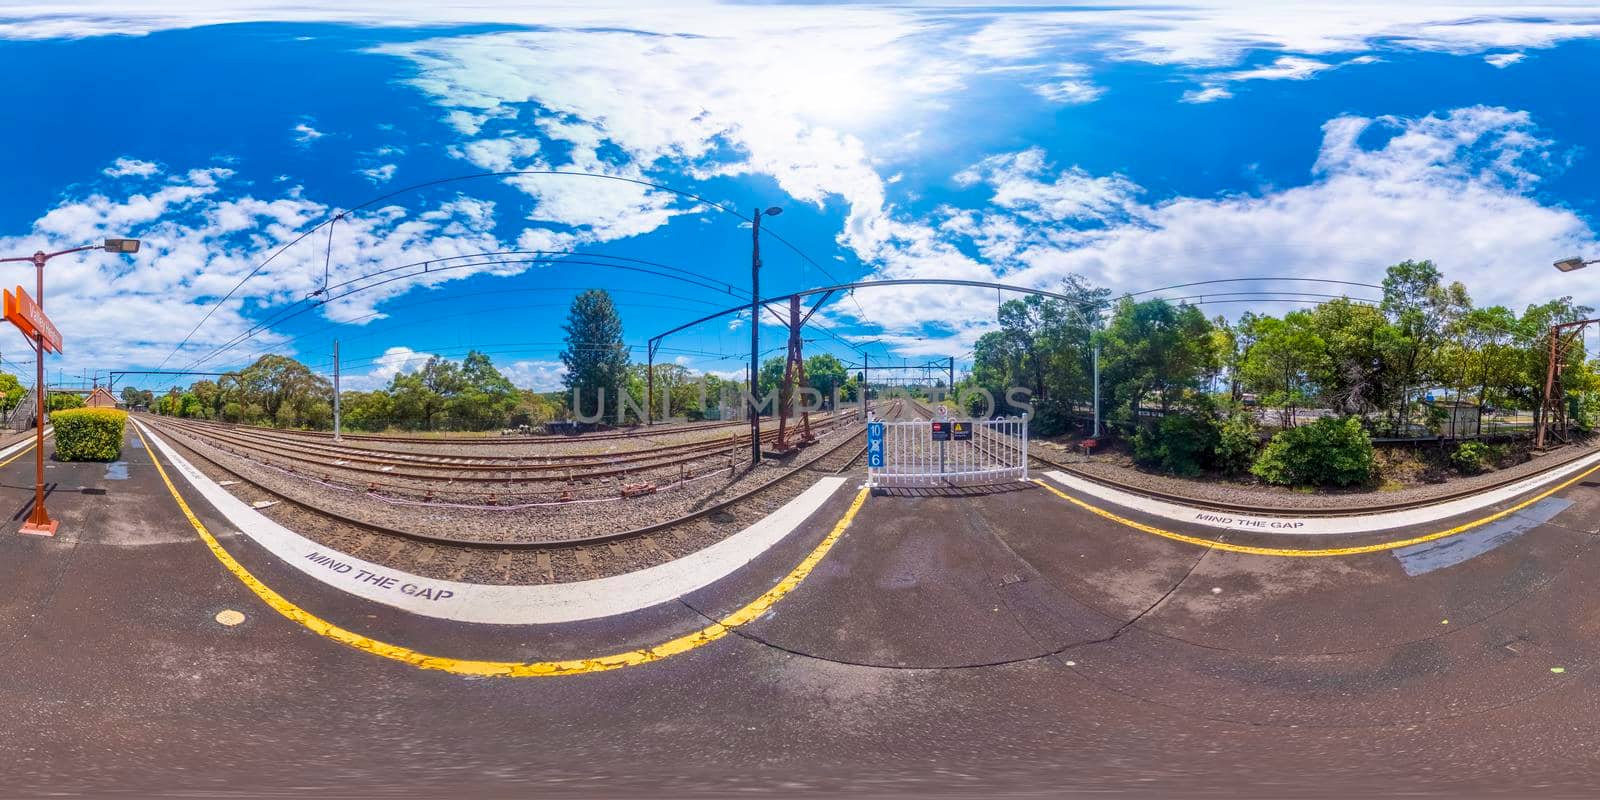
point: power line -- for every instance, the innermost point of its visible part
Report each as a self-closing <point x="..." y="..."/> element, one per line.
<point x="415" y="187"/>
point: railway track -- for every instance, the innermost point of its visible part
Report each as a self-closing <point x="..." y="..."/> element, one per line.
<point x="639" y="432"/>
<point x="493" y="480"/>
<point x="544" y="560"/>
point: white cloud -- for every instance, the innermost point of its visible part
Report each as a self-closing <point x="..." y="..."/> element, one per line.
<point x="788" y="93"/>
<point x="1196" y="33"/>
<point x="394" y="361"/>
<point x="1207" y="95"/>
<point x="1071" y="88"/>
<point x="1290" y="68"/>
<point x="305" y="134"/>
<point x="1074" y="195"/>
<point x="203" y="232"/>
<point x="1503" y="60"/>
<point x="124" y="167"/>
<point x="380" y="174"/>
<point x="1454" y="187"/>
<point x="1284" y="68"/>
<point x="1219" y="33"/>
<point x="540" y="375"/>
<point x="501" y="155"/>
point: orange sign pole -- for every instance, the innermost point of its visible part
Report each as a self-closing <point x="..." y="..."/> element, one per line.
<point x="29" y="318"/>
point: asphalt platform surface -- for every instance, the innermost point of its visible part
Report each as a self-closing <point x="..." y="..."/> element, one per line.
<point x="993" y="642"/>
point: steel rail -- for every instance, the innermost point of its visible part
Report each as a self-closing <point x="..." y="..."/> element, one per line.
<point x="533" y="474"/>
<point x="544" y="544"/>
<point x="452" y="462"/>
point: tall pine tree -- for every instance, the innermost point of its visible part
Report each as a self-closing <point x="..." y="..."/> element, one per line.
<point x="595" y="357"/>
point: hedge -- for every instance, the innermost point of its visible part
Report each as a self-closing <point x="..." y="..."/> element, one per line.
<point x="88" y="434"/>
<point x="1329" y="451"/>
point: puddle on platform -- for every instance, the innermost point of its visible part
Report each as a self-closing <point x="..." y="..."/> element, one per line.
<point x="117" y="471"/>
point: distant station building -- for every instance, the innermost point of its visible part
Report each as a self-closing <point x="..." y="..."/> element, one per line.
<point x="101" y="397"/>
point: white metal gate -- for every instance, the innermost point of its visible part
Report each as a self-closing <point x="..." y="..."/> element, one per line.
<point x="946" y="452"/>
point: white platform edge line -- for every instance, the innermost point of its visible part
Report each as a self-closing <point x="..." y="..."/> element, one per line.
<point x="1319" y="526"/>
<point x="507" y="605"/>
<point x="6" y="453"/>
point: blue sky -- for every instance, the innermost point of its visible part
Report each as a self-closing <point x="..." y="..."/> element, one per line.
<point x="1137" y="145"/>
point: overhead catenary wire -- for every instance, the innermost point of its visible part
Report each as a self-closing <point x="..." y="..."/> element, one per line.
<point x="329" y="221"/>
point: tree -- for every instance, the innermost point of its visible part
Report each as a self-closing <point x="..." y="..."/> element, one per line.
<point x="1421" y="310"/>
<point x="825" y="372"/>
<point x="1351" y="375"/>
<point x="483" y="397"/>
<point x="278" y="390"/>
<point x="209" y="397"/>
<point x="1283" y="359"/>
<point x="130" y="396"/>
<point x="420" y="396"/>
<point x="595" y="356"/>
<point x="64" y="400"/>
<point x="534" y="408"/>
<point x="767" y="383"/>
<point x="1155" y="348"/>
<point x="11" y="391"/>
<point x="367" y="411"/>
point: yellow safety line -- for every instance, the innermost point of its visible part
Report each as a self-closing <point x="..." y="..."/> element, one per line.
<point x="516" y="669"/>
<point x="1312" y="553"/>
<point x="19" y="454"/>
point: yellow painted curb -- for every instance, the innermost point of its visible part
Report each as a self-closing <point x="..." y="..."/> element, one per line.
<point x="1289" y="552"/>
<point x="514" y="669"/>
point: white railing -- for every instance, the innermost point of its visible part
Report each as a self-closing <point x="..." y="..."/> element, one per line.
<point x="906" y="454"/>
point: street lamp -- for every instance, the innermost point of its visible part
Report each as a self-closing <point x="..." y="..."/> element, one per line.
<point x="1576" y="262"/>
<point x="755" y="328"/>
<point x="39" y="521"/>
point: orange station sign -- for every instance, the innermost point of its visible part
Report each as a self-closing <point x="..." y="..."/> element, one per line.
<point x="23" y="312"/>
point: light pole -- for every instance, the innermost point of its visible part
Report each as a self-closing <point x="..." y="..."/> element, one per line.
<point x="1576" y="262"/>
<point x="39" y="521"/>
<point x="755" y="328"/>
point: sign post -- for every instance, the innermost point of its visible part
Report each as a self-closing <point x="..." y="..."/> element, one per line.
<point x="875" y="445"/>
<point x="23" y="312"/>
<point x="29" y="318"/>
<point x="941" y="434"/>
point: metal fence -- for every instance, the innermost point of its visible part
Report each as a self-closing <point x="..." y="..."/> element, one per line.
<point x="930" y="453"/>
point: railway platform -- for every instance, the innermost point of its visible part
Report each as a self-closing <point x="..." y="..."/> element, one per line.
<point x="996" y="640"/>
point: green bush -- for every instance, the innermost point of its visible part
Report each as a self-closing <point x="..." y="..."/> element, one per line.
<point x="1183" y="443"/>
<point x="1472" y="458"/>
<point x="1051" y="417"/>
<point x="63" y="400"/>
<point x="88" y="434"/>
<point x="1329" y="451"/>
<point x="1237" y="443"/>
